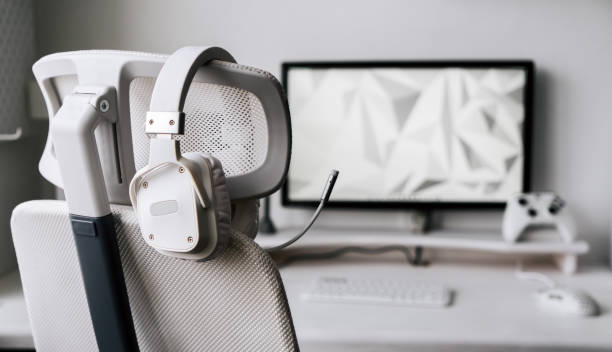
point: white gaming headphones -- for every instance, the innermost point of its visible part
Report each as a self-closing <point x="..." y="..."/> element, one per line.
<point x="182" y="202"/>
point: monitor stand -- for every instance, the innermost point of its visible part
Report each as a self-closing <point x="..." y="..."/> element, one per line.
<point x="422" y="222"/>
<point x="266" y="225"/>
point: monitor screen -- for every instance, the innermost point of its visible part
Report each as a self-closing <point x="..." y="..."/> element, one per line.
<point x="439" y="133"/>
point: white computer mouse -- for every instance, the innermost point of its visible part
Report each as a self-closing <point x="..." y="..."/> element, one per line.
<point x="561" y="300"/>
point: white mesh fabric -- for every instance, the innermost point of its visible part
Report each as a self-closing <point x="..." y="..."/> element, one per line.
<point x="226" y="122"/>
<point x="51" y="277"/>
<point x="235" y="302"/>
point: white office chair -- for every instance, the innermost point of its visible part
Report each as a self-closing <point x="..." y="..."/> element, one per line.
<point x="235" y="302"/>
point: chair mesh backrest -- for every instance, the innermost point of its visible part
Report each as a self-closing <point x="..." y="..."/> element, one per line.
<point x="235" y="302"/>
<point x="226" y="122"/>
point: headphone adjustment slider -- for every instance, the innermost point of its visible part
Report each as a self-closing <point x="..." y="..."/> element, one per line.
<point x="164" y="122"/>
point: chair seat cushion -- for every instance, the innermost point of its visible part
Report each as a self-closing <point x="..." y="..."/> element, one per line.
<point x="235" y="302"/>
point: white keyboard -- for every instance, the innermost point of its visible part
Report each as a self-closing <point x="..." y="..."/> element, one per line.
<point x="379" y="291"/>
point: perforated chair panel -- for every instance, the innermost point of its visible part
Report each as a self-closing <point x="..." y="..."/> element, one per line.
<point x="227" y="122"/>
<point x="235" y="302"/>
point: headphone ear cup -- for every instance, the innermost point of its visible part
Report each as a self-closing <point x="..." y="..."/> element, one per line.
<point x="222" y="202"/>
<point x="245" y="217"/>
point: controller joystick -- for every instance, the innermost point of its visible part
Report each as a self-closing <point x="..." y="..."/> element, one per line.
<point x="537" y="209"/>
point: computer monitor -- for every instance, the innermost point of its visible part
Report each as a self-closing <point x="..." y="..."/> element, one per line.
<point x="422" y="134"/>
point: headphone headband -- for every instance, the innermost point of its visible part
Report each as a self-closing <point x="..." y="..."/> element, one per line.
<point x="165" y="114"/>
<point x="166" y="117"/>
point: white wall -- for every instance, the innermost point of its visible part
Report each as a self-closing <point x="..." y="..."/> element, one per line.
<point x="569" y="41"/>
<point x="19" y="180"/>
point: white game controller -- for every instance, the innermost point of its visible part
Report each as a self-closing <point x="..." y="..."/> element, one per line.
<point x="537" y="209"/>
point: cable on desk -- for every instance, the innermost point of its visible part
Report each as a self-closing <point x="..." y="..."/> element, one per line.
<point x="416" y="260"/>
<point x="533" y="276"/>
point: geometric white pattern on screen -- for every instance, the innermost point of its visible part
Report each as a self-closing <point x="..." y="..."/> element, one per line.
<point x="398" y="134"/>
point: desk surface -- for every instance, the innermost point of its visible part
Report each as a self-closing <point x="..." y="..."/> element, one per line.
<point x="491" y="310"/>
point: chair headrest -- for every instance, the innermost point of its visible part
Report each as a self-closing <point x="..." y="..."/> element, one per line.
<point x="235" y="112"/>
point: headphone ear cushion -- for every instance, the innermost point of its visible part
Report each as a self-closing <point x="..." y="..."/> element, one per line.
<point x="245" y="217"/>
<point x="222" y="202"/>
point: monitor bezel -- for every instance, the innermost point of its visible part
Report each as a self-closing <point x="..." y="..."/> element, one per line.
<point x="527" y="65"/>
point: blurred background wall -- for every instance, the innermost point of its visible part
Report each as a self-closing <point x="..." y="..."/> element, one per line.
<point x="569" y="41"/>
<point x="19" y="178"/>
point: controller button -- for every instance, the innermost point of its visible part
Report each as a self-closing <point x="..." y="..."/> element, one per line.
<point x="522" y="201"/>
<point x="532" y="212"/>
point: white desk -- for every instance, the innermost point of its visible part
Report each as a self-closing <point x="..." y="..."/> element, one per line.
<point x="492" y="310"/>
<point x="473" y="242"/>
